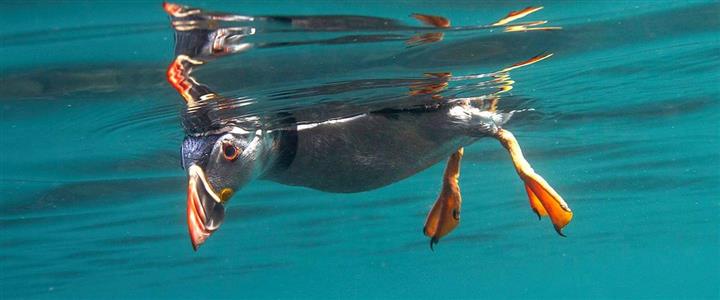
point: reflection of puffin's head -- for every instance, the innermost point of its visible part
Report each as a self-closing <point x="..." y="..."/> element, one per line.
<point x="217" y="166"/>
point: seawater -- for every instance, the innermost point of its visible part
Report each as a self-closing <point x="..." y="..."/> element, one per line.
<point x="625" y="125"/>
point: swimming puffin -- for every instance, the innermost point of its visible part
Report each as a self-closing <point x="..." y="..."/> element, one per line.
<point x="355" y="153"/>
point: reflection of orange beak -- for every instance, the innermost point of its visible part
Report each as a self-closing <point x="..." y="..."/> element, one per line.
<point x="205" y="213"/>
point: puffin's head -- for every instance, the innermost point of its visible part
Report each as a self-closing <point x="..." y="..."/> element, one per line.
<point x="217" y="166"/>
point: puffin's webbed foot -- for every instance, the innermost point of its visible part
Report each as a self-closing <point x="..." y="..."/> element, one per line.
<point x="445" y="213"/>
<point x="544" y="200"/>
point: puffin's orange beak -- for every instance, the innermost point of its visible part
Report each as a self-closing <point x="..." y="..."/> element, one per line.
<point x="205" y="213"/>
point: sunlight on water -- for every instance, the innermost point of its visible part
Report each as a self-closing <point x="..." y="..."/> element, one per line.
<point x="623" y="119"/>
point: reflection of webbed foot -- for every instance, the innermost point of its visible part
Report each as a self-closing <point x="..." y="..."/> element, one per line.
<point x="429" y="37"/>
<point x="445" y="214"/>
<point x="524" y="26"/>
<point x="434" y="21"/>
<point x="436" y="83"/>
<point x="518" y="14"/>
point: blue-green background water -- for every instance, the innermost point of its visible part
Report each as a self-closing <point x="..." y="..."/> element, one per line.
<point x="626" y="127"/>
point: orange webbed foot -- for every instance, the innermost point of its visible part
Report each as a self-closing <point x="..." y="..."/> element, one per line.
<point x="544" y="200"/>
<point x="445" y="213"/>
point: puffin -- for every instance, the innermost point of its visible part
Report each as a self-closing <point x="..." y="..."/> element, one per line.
<point x="349" y="154"/>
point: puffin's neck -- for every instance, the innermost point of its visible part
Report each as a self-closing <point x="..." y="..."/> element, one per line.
<point x="279" y="150"/>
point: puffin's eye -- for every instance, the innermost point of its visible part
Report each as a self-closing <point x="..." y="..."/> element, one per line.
<point x="230" y="151"/>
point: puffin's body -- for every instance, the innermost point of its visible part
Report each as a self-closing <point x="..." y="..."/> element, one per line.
<point x="373" y="150"/>
<point x="354" y="153"/>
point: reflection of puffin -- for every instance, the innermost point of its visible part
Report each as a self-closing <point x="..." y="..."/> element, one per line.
<point x="352" y="154"/>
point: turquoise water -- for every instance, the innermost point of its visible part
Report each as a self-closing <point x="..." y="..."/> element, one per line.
<point x="626" y="126"/>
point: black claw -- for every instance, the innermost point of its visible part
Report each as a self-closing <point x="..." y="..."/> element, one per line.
<point x="559" y="231"/>
<point x="538" y="214"/>
<point x="433" y="241"/>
